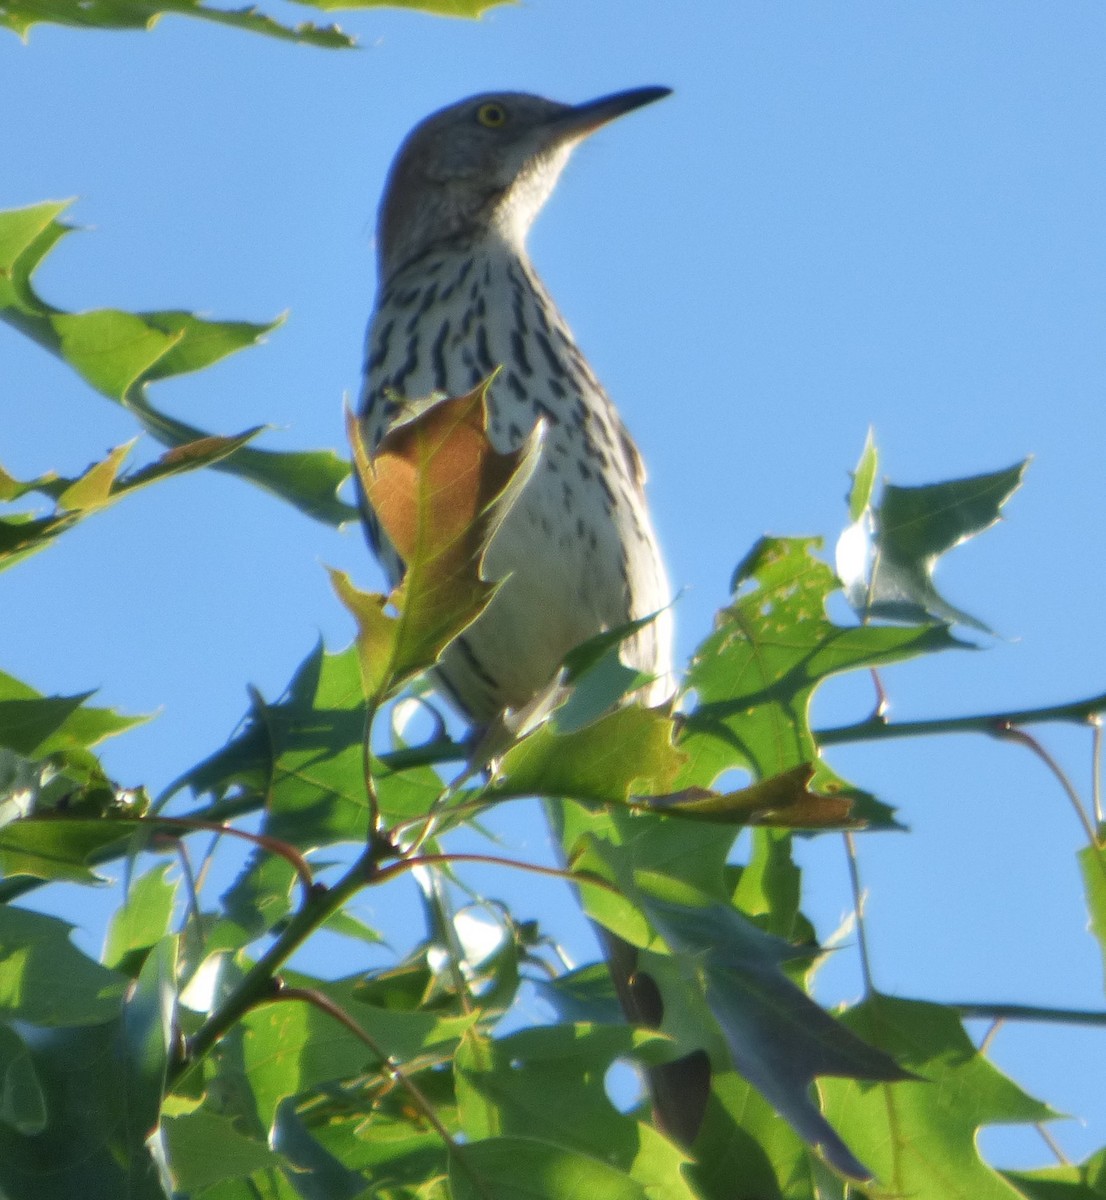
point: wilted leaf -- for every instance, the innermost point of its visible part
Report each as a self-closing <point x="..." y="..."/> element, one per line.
<point x="440" y="490"/>
<point x="919" y="1135"/>
<point x="887" y="557"/>
<point x="783" y="801"/>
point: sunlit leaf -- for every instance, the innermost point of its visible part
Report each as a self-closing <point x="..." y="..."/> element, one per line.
<point x="101" y="485"/>
<point x="755" y="675"/>
<point x="292" y="1046"/>
<point x="628" y="752"/>
<point x="511" y="1168"/>
<point x="59" y="847"/>
<point x="1092" y="865"/>
<point x="119" y="353"/>
<point x="142" y="920"/>
<point x="919" y="1136"/>
<point x="21" y="15"/>
<point x="1071" y="1181"/>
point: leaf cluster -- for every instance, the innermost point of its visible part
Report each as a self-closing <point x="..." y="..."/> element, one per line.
<point x="199" y="1057"/>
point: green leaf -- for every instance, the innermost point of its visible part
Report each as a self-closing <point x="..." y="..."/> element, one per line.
<point x="627" y="752"/>
<point x="755" y="675"/>
<point x="119" y="353"/>
<point x="22" y="534"/>
<point x="1092" y="865"/>
<point x="37" y="726"/>
<point x="864" y="478"/>
<point x="292" y="1046"/>
<point x="314" y="1171"/>
<point x="46" y="980"/>
<point x="887" y="557"/>
<point x="301" y="758"/>
<point x="21" y="15"/>
<point x="919" y="1135"/>
<point x="88" y="1147"/>
<point x="1082" y="1181"/>
<point x="141" y="921"/>
<point x="203" y="1148"/>
<point x="513" y="1168"/>
<point x="778" y="1038"/>
<point x="549" y="1083"/>
<point x="22" y="1102"/>
<point x="59" y="847"/>
<point x="147" y="1031"/>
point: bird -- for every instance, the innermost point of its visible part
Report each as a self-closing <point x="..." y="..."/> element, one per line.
<point x="459" y="300"/>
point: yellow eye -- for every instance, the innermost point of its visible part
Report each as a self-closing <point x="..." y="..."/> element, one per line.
<point x="491" y="116"/>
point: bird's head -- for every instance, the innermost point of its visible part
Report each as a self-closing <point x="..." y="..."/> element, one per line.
<point x="485" y="165"/>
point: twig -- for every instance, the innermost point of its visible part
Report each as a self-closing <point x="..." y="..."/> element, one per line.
<point x="874" y="728"/>
<point x="391" y="1067"/>
<point x="999" y="1011"/>
<point x="1010" y="733"/>
<point x="858" y="906"/>
<point x="421" y="860"/>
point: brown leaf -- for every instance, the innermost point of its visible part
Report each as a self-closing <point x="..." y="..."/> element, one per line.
<point x="783" y="801"/>
<point x="440" y="490"/>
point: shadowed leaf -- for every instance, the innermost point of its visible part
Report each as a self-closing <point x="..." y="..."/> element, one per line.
<point x="887" y="556"/>
<point x="779" y="1038"/>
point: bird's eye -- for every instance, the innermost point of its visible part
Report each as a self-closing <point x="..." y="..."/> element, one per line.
<point x="491" y="116"/>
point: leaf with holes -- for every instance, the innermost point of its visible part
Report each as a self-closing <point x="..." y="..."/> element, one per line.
<point x="755" y="675"/>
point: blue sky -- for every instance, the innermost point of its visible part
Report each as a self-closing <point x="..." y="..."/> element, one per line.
<point x="847" y="215"/>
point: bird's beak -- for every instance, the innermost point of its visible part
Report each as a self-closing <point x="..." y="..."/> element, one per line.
<point x="578" y="121"/>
